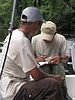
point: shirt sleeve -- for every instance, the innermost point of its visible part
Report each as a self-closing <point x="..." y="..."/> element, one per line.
<point x="64" y="47"/>
<point x="27" y="58"/>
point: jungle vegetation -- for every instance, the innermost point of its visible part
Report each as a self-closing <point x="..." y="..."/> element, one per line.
<point x="61" y="12"/>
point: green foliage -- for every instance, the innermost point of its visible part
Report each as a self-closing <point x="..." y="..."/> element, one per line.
<point x="5" y="14"/>
<point x="62" y="12"/>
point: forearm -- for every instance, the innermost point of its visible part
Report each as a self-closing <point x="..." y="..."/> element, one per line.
<point x="37" y="75"/>
<point x="64" y="58"/>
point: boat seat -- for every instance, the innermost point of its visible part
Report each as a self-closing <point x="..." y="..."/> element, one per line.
<point x="70" y="82"/>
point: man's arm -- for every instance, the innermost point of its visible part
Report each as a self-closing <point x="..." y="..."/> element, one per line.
<point x="37" y="74"/>
<point x="58" y="59"/>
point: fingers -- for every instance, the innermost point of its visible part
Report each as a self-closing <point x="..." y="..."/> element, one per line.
<point x="55" y="60"/>
<point x="40" y="58"/>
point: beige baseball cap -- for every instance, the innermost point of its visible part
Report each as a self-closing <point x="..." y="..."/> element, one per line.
<point x="48" y="30"/>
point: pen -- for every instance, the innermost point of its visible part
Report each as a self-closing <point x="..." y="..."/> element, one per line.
<point x="40" y="54"/>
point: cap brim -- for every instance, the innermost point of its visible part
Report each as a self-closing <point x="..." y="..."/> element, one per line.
<point x="46" y="36"/>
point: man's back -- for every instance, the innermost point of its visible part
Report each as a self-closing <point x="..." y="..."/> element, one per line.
<point x="16" y="65"/>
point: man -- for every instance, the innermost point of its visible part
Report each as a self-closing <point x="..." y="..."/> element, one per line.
<point x="20" y="64"/>
<point x="51" y="47"/>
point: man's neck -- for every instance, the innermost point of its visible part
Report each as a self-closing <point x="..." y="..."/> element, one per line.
<point x="26" y="33"/>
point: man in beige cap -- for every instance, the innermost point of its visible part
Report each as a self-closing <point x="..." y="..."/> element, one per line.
<point x="21" y="63"/>
<point x="51" y="48"/>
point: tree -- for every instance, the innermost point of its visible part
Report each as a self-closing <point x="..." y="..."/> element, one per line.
<point x="62" y="12"/>
<point x="5" y="14"/>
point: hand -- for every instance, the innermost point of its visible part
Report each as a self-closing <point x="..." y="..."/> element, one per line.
<point x="40" y="58"/>
<point x="55" y="60"/>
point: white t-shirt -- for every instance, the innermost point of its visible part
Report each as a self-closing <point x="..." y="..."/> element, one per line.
<point x="20" y="60"/>
<point x="57" y="47"/>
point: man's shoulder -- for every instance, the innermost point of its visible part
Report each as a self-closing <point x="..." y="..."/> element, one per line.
<point x="59" y="36"/>
<point x="18" y="37"/>
<point x="36" y="37"/>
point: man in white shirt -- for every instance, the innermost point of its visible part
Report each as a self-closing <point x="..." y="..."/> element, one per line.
<point x="20" y="64"/>
<point x="51" y="47"/>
